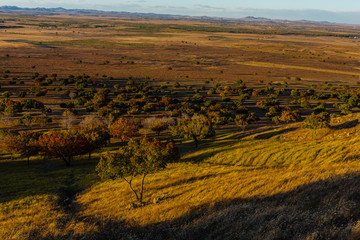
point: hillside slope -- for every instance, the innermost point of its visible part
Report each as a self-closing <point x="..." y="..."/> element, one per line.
<point x="279" y="184"/>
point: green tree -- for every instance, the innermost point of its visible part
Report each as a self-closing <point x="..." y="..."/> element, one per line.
<point x="96" y="134"/>
<point x="27" y="144"/>
<point x="195" y="128"/>
<point x="138" y="158"/>
<point x="317" y="121"/>
<point x="158" y="125"/>
<point x="242" y="121"/>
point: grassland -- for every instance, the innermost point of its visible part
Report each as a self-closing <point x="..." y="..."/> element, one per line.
<point x="248" y="187"/>
<point x="267" y="182"/>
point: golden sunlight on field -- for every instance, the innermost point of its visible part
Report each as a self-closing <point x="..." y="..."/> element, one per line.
<point x="115" y="126"/>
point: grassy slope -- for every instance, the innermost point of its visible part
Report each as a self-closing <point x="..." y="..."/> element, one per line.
<point x="268" y="185"/>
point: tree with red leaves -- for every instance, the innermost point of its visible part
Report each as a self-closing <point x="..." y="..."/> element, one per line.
<point x="64" y="145"/>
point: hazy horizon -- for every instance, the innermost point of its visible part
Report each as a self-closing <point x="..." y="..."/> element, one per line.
<point x="347" y="12"/>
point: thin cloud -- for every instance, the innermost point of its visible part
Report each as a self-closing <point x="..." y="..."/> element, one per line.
<point x="208" y="7"/>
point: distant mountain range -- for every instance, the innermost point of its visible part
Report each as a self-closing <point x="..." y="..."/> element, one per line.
<point x="263" y="15"/>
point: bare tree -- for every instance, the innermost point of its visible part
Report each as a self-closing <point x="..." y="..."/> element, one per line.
<point x="72" y="95"/>
<point x="68" y="120"/>
<point x="90" y="119"/>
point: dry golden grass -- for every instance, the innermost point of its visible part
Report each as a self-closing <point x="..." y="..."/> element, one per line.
<point x="38" y="219"/>
<point x="278" y="184"/>
<point x="197" y="196"/>
<point x="208" y="197"/>
<point x="207" y="185"/>
<point x="274" y="65"/>
<point x="42" y="218"/>
<point x="215" y="193"/>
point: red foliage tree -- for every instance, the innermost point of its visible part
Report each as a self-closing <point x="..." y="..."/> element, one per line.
<point x="64" y="145"/>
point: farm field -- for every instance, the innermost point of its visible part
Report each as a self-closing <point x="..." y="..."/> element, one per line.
<point x="273" y="108"/>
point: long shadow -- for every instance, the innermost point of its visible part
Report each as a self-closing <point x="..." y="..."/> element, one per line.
<point x="219" y="146"/>
<point x="346" y="125"/>
<point x="205" y="155"/>
<point x="42" y="177"/>
<point x="324" y="209"/>
<point x="274" y="133"/>
<point x="193" y="179"/>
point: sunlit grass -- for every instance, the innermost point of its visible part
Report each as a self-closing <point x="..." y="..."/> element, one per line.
<point x="225" y="180"/>
<point x="284" y="66"/>
<point x="95" y="43"/>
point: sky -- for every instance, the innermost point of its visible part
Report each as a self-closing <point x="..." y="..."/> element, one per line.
<point x="346" y="11"/>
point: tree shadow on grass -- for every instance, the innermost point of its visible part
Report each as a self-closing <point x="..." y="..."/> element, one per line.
<point x="42" y="177"/>
<point x="268" y="135"/>
<point x="321" y="210"/>
<point x="209" y="150"/>
<point x="211" y="147"/>
<point x="194" y="179"/>
<point x="326" y="209"/>
<point x="346" y="125"/>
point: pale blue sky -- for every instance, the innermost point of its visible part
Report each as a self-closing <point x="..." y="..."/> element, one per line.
<point x="332" y="5"/>
<point x="221" y="8"/>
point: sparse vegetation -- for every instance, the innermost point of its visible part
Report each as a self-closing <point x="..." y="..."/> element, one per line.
<point x="277" y="160"/>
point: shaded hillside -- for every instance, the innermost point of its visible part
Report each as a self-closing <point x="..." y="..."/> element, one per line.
<point x="208" y="196"/>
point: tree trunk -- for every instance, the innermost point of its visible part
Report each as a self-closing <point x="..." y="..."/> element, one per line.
<point x="196" y="141"/>
<point x="68" y="161"/>
<point x="142" y="189"/>
<point x="132" y="189"/>
<point x="28" y="160"/>
<point x="89" y="155"/>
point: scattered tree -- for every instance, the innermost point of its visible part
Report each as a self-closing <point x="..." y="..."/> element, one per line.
<point x="138" y="158"/>
<point x="195" y="128"/>
<point x="242" y="121"/>
<point x="63" y="144"/>
<point x="96" y="134"/>
<point x="27" y="145"/>
<point x="68" y="120"/>
<point x="123" y="129"/>
<point x="24" y="143"/>
<point x="289" y="115"/>
<point x="317" y="121"/>
<point x="158" y="124"/>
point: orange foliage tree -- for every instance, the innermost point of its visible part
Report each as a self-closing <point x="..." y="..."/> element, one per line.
<point x="9" y="144"/>
<point x="123" y="129"/>
<point x="24" y="143"/>
<point x="289" y="115"/>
